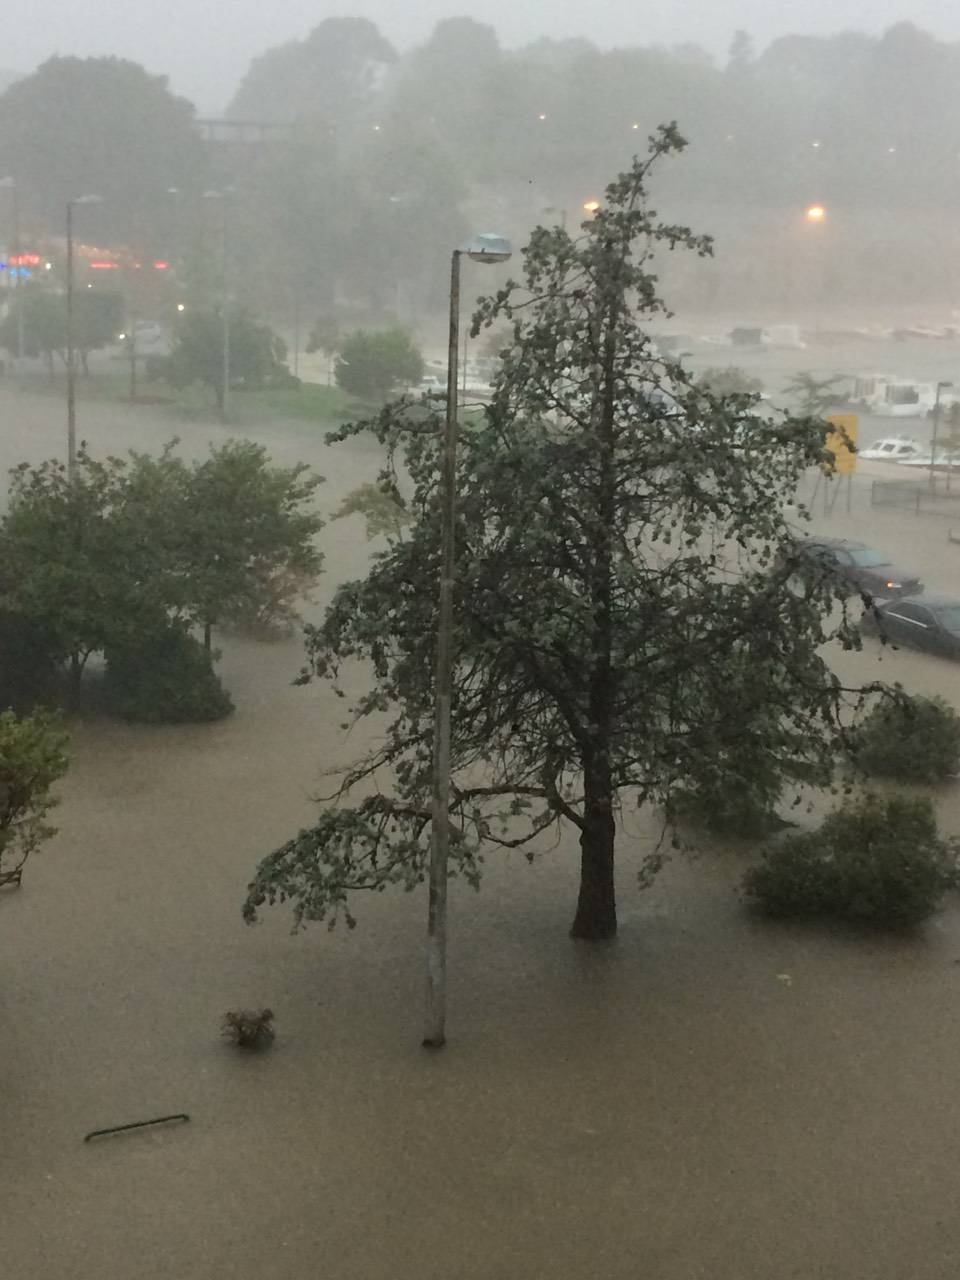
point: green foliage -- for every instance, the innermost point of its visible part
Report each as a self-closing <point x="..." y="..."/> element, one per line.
<point x="623" y="623"/>
<point x="876" y="861"/>
<point x="28" y="662"/>
<point x="165" y="677"/>
<point x="730" y="381"/>
<point x="67" y="566"/>
<point x="92" y="565"/>
<point x="249" y="535"/>
<point x="371" y="365"/>
<point x="96" y="321"/>
<point x="746" y="812"/>
<point x="912" y="739"/>
<point x="814" y="396"/>
<point x="381" y="508"/>
<point x="101" y="125"/>
<point x="33" y="756"/>
<point x="257" y="355"/>
<point x="331" y="73"/>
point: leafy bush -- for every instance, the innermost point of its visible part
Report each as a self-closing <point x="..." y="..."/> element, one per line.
<point x="249" y="1028"/>
<point x="381" y="509"/>
<point x="28" y="662"/>
<point x="744" y="811"/>
<point x="877" y="861"/>
<point x="910" y="738"/>
<point x="271" y="612"/>
<point x="730" y="381"/>
<point x="33" y="756"/>
<point x="373" y="364"/>
<point x="165" y="678"/>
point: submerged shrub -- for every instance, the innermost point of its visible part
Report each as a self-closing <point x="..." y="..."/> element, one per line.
<point x="910" y="738"/>
<point x="166" y="677"/>
<point x="875" y="860"/>
<point x="249" y="1028"/>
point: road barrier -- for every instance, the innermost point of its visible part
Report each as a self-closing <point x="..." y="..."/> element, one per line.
<point x="913" y="496"/>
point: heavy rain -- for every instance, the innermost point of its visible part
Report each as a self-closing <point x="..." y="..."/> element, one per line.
<point x="252" y="285"/>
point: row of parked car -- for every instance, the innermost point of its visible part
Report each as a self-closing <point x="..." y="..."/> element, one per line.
<point x="900" y="610"/>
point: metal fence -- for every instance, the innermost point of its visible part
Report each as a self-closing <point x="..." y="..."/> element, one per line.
<point x="917" y="497"/>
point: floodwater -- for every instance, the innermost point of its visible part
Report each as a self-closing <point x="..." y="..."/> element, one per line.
<point x="708" y="1097"/>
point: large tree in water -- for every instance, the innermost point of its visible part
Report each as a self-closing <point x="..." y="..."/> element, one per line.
<point x="625" y="630"/>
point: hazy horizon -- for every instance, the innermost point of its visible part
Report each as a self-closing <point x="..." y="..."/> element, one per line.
<point x="184" y="39"/>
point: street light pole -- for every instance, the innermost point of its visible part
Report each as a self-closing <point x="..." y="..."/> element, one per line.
<point x="936" y="431"/>
<point x="71" y="362"/>
<point x="11" y="185"/>
<point x="489" y="249"/>
<point x="71" y="387"/>
<point x="224" y="299"/>
<point x="435" y="1033"/>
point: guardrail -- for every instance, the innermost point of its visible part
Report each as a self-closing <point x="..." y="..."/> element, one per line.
<point x="917" y="497"/>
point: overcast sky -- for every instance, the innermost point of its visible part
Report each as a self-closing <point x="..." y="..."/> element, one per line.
<point x="206" y="45"/>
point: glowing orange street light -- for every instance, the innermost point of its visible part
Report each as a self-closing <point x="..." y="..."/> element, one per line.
<point x="591" y="206"/>
<point x="815" y="213"/>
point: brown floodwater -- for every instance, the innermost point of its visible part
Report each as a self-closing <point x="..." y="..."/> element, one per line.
<point x="709" y="1096"/>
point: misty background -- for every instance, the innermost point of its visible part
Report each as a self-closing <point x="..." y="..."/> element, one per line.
<point x="205" y="49"/>
<point x="356" y="152"/>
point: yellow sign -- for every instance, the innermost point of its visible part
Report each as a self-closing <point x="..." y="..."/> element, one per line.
<point x="839" y="440"/>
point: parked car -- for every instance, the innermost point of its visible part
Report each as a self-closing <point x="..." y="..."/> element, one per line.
<point x="928" y="622"/>
<point x="863" y="567"/>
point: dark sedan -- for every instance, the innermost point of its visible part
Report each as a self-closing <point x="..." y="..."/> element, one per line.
<point x="863" y="567"/>
<point x="928" y="622"/>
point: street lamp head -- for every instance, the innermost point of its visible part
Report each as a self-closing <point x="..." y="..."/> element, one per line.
<point x="591" y="206"/>
<point x="487" y="248"/>
<point x="86" y="200"/>
<point x="815" y="213"/>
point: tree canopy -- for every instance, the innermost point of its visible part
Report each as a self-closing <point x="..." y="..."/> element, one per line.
<point x="97" y="318"/>
<point x="331" y="74"/>
<point x="372" y="364"/>
<point x="102" y="126"/>
<point x="624" y="628"/>
<point x="257" y="354"/>
<point x="115" y="556"/>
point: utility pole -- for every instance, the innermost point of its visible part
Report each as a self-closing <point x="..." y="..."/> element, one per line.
<point x="10" y="184"/>
<point x="71" y="355"/>
<point x="489" y="249"/>
<point x="435" y="1034"/>
<point x="224" y="300"/>
<point x="71" y="385"/>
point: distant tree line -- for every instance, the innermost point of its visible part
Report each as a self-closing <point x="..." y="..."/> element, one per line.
<point x="386" y="159"/>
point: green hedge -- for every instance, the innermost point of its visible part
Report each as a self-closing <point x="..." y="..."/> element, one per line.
<point x="910" y="738"/>
<point x="875" y="860"/>
<point x="165" y="678"/>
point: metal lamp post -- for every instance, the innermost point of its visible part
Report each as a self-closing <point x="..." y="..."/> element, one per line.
<point x="941" y="386"/>
<point x="488" y="249"/>
<point x="10" y="184"/>
<point x="71" y="361"/>
<point x="224" y="300"/>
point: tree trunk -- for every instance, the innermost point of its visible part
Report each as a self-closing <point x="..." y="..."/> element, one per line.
<point x="596" y="916"/>
<point x="207" y="628"/>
